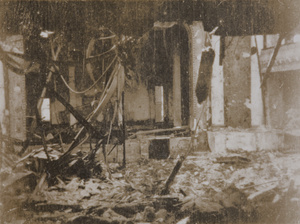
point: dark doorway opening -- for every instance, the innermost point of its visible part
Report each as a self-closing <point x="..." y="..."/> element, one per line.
<point x="162" y="44"/>
<point x="159" y="149"/>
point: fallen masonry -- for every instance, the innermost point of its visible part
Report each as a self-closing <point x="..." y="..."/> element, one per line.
<point x="259" y="187"/>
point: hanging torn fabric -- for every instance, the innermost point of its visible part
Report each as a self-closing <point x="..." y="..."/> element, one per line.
<point x="205" y="73"/>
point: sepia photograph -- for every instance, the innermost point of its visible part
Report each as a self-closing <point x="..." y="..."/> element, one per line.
<point x="150" y="111"/>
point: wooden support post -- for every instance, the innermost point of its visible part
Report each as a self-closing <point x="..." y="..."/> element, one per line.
<point x="264" y="84"/>
<point x="273" y="58"/>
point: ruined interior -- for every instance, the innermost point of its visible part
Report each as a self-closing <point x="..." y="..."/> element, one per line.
<point x="150" y="111"/>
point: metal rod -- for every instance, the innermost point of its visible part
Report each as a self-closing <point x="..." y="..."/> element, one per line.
<point x="112" y="149"/>
<point x="222" y="49"/>
<point x="1" y="145"/>
<point x="39" y="123"/>
<point x="261" y="81"/>
<point x="123" y="129"/>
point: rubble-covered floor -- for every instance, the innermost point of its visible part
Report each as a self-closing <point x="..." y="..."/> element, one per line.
<point x="240" y="187"/>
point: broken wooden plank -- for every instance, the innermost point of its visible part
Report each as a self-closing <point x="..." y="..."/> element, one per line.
<point x="232" y="159"/>
<point x="172" y="175"/>
<point x="158" y="131"/>
<point x="263" y="194"/>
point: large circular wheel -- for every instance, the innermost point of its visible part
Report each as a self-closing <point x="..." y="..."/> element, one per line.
<point x="99" y="57"/>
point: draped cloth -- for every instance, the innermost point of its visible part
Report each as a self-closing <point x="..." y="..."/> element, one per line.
<point x="205" y="74"/>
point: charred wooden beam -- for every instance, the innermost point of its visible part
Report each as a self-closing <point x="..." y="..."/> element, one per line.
<point x="172" y="176"/>
<point x="264" y="86"/>
<point x="74" y="112"/>
<point x="272" y="59"/>
<point x="124" y="129"/>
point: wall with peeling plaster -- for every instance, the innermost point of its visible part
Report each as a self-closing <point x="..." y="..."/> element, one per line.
<point x="284" y="100"/>
<point x="283" y="85"/>
<point x="236" y="67"/>
<point x="139" y="105"/>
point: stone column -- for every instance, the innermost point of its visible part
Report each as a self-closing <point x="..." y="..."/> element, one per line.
<point x="257" y="114"/>
<point x="196" y="36"/>
<point x="217" y="86"/>
<point x="176" y="89"/>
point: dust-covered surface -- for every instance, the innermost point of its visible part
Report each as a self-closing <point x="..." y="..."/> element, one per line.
<point x="258" y="187"/>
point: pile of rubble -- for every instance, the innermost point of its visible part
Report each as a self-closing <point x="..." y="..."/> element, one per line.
<point x="241" y="187"/>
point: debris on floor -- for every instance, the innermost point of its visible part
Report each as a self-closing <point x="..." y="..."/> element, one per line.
<point x="243" y="187"/>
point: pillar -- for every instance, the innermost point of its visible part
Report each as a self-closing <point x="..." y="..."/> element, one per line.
<point x="217" y="86"/>
<point x="196" y="36"/>
<point x="257" y="115"/>
<point x="176" y="89"/>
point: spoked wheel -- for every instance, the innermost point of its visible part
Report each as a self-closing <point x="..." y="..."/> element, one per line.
<point x="104" y="69"/>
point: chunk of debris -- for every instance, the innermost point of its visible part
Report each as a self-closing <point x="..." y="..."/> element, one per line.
<point x="233" y="159"/>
